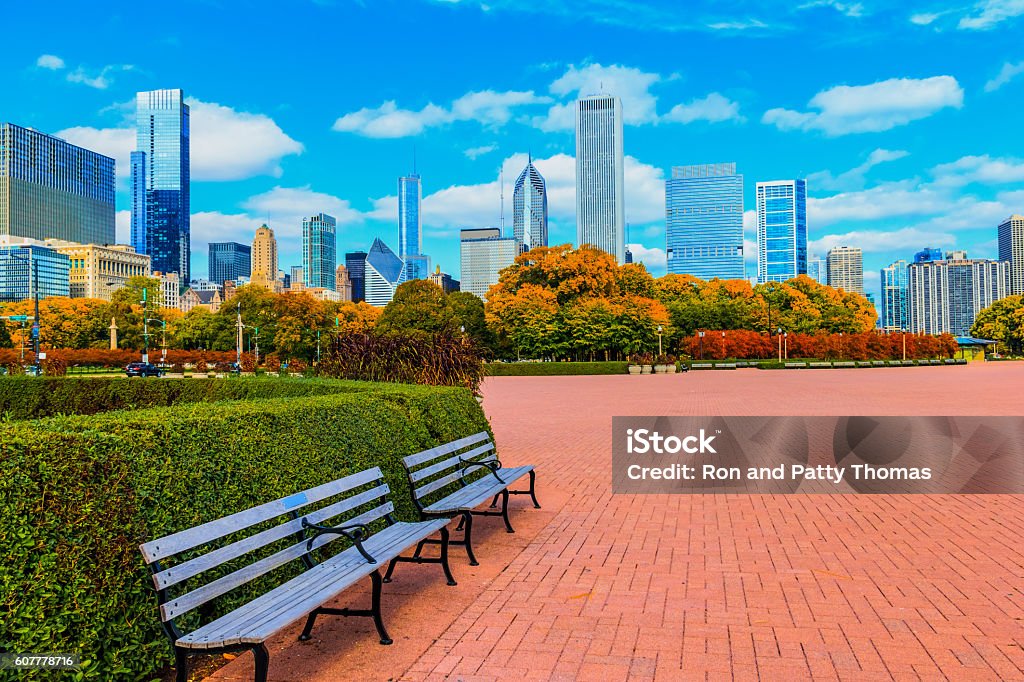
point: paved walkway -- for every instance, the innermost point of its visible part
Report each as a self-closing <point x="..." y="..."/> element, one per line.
<point x="603" y="587"/>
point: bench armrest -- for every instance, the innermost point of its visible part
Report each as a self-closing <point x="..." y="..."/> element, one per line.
<point x="491" y="465"/>
<point x="356" y="533"/>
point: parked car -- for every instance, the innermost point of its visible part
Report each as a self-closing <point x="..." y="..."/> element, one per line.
<point x="143" y="369"/>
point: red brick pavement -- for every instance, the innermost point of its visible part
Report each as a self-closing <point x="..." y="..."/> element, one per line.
<point x="741" y="587"/>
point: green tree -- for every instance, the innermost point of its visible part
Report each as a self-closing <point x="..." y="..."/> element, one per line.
<point x="419" y="305"/>
<point x="5" y="336"/>
<point x="1003" y="321"/>
<point x="469" y="310"/>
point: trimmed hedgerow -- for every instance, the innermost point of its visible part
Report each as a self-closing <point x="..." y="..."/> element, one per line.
<point x="535" y="369"/>
<point x="79" y="494"/>
<point x="34" y="397"/>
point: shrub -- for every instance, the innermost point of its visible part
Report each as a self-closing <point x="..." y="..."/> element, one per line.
<point x="81" y="493"/>
<point x="200" y="365"/>
<point x="533" y="369"/>
<point x="178" y="368"/>
<point x="248" y="362"/>
<point x="272" y="363"/>
<point x="54" y="365"/>
<point x="438" y="360"/>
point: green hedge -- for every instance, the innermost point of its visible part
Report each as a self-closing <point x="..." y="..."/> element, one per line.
<point x="79" y="494"/>
<point x="534" y="369"/>
<point x="24" y="397"/>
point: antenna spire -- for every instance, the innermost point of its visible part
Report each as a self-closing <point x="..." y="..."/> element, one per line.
<point x="414" y="159"/>
<point x="501" y="182"/>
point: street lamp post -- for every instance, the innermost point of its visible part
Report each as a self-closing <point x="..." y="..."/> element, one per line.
<point x="659" y="339"/>
<point x="779" y="334"/>
<point x="785" y="345"/>
<point x="701" y="344"/>
<point x="163" y="349"/>
<point x="903" y="335"/>
<point x="145" y="325"/>
<point x="723" y="345"/>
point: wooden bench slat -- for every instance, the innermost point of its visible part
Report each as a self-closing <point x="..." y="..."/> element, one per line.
<point x="439" y="483"/>
<point x="193" y="567"/>
<point x="433" y="453"/>
<point x="189" y="601"/>
<point x="207" y="532"/>
<point x="450" y="462"/>
<point x="479" y="491"/>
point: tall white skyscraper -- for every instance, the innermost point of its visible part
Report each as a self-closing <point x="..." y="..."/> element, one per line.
<point x="846" y="268"/>
<point x="530" y="209"/>
<point x="1011" y="249"/>
<point x="600" y="186"/>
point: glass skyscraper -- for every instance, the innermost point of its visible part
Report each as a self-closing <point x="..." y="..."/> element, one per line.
<point x="894" y="296"/>
<point x="383" y="272"/>
<point x="410" y="227"/>
<point x="319" y="261"/>
<point x="704" y="221"/>
<point x="229" y="261"/>
<point x="600" y="183"/>
<point x="781" y="230"/>
<point x="161" y="222"/>
<point x="355" y="263"/>
<point x="530" y="209"/>
<point x="51" y="189"/>
<point x="24" y="265"/>
<point x="927" y="254"/>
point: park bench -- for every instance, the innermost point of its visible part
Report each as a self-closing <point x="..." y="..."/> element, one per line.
<point x="447" y="470"/>
<point x="290" y="530"/>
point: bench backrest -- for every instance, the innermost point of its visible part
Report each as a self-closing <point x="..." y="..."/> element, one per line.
<point x="359" y="498"/>
<point x="436" y="468"/>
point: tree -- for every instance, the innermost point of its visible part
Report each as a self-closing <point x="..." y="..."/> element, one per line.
<point x="1003" y="321"/>
<point x="567" y="272"/>
<point x="419" y="305"/>
<point x="526" y="318"/>
<point x="5" y="336"/>
<point x="469" y="310"/>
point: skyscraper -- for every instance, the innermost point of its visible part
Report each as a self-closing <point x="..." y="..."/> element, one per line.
<point x="51" y="189"/>
<point x="704" y="221"/>
<point x="410" y="227"/>
<point x="25" y="264"/>
<point x="817" y="269"/>
<point x="383" y="272"/>
<point x="530" y="209"/>
<point x="781" y="230"/>
<point x="229" y="261"/>
<point x="947" y="295"/>
<point x="894" y="296"/>
<point x="600" y="185"/>
<point x="263" y="272"/>
<point x="318" y="251"/>
<point x="355" y="263"/>
<point x="484" y="254"/>
<point x="161" y="222"/>
<point x="846" y="268"/>
<point x="927" y="254"/>
<point x="1011" y="248"/>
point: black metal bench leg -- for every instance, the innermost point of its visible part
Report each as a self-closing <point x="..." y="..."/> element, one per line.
<point x="533" y="491"/>
<point x="462" y="523"/>
<point x="377" y="619"/>
<point x="467" y="519"/>
<point x="310" y="619"/>
<point x="391" y="567"/>
<point x="444" y="557"/>
<point x="262" y="663"/>
<point x="180" y="665"/>
<point x="504" y="512"/>
<point x="494" y="502"/>
<point x="419" y="548"/>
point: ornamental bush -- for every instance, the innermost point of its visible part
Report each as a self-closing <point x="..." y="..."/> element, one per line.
<point x="79" y="494"/>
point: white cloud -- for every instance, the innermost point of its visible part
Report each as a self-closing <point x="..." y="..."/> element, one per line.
<point x="388" y="121"/>
<point x="990" y="13"/>
<point x="876" y="107"/>
<point x="738" y="25"/>
<point x="1005" y="75"/>
<point x="283" y="208"/>
<point x="855" y="177"/>
<point x="887" y="200"/>
<point x="714" y="108"/>
<point x="629" y="84"/>
<point x="850" y="9"/>
<point x="50" y="61"/>
<point x="871" y="241"/>
<point x="102" y="79"/>
<point x="476" y="152"/>
<point x="980" y="169"/>
<point x="925" y="18"/>
<point x="653" y="258"/>
<point x="225" y="144"/>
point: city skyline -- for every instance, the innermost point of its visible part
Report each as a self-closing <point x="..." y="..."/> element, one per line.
<point x="875" y="180"/>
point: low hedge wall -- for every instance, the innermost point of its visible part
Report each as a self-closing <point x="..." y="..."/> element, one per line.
<point x="34" y="397"/>
<point x="79" y="494"/>
<point x="534" y="369"/>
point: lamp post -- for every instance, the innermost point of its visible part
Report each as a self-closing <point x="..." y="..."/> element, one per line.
<point x="659" y="339"/>
<point x="779" y="334"/>
<point x="238" y="328"/>
<point x="842" y="346"/>
<point x="701" y="344"/>
<point x="903" y="335"/>
<point x="145" y="325"/>
<point x="785" y="345"/>
<point x="723" y="346"/>
<point x="163" y="345"/>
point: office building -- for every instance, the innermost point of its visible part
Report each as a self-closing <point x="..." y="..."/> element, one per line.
<point x="343" y="283"/>
<point x="169" y="295"/>
<point x="410" y="227"/>
<point x="781" y="230"/>
<point x="295" y="277"/>
<point x="894" y="296"/>
<point x="263" y="270"/>
<point x="442" y="279"/>
<point x="161" y="219"/>
<point x="817" y="269"/>
<point x="846" y="268"/>
<point x="96" y="271"/>
<point x="484" y="254"/>
<point x="1011" y="249"/>
<point x="228" y="260"/>
<point x="28" y="267"/>
<point x="383" y="272"/>
<point x="927" y="255"/>
<point x="355" y="263"/>
<point x="206" y="285"/>
<point x="530" y="209"/>
<point x="947" y="295"/>
<point x="318" y="251"/>
<point x="629" y="256"/>
<point x="704" y="221"/>
<point x="600" y="186"/>
<point x="51" y="189"/>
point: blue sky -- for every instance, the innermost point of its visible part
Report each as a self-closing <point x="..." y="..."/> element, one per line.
<point x="904" y="117"/>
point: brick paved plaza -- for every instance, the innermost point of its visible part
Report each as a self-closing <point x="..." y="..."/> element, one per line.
<point x="603" y="587"/>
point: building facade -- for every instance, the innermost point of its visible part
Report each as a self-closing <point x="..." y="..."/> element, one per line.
<point x="319" y="259"/>
<point x="355" y="263"/>
<point x="946" y="296"/>
<point x="1011" y="249"/>
<point x="817" y="269"/>
<point x="894" y="297"/>
<point x="98" y="271"/>
<point x="383" y="272"/>
<point x="781" y="230"/>
<point x="410" y="227"/>
<point x="442" y="279"/>
<point x="27" y="269"/>
<point x="161" y="217"/>
<point x="343" y="283"/>
<point x="845" y="266"/>
<point x="600" y="184"/>
<point x="484" y="254"/>
<point x="170" y="290"/>
<point x="927" y="254"/>
<point x="210" y="299"/>
<point x="704" y="221"/>
<point x="51" y="189"/>
<point x="229" y="260"/>
<point x="263" y="269"/>
<point x="530" y="209"/>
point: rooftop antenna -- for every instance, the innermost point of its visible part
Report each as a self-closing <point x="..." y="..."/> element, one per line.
<point x="501" y="182"/>
<point x="414" y="159"/>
